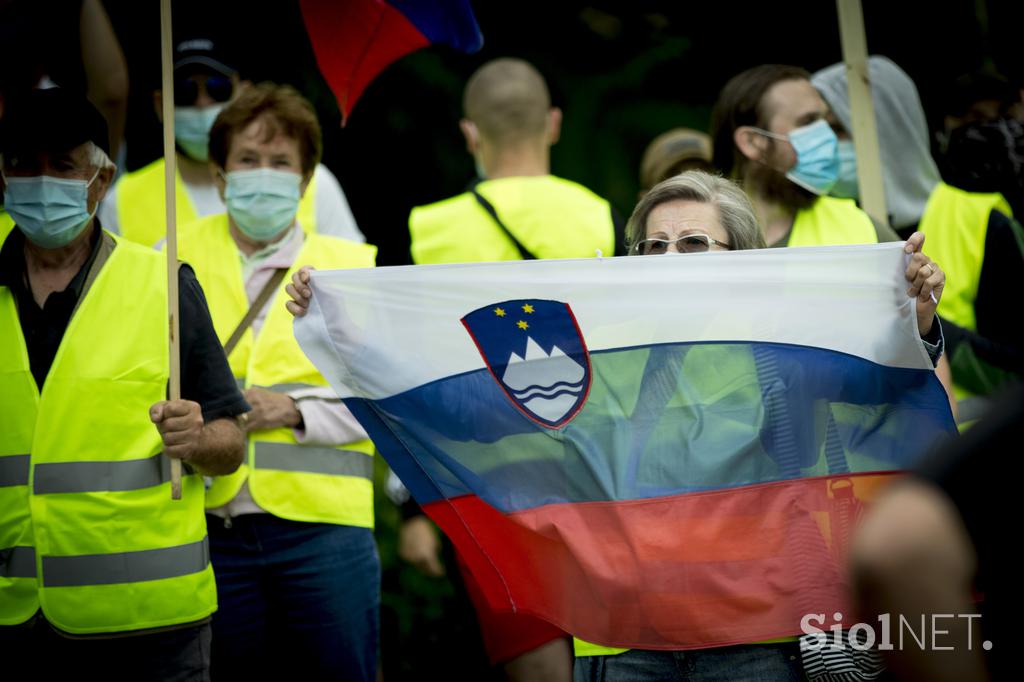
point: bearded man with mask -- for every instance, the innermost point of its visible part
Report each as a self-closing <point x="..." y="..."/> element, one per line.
<point x="298" y="577"/>
<point x="770" y="133"/>
<point x="100" y="570"/>
<point x="204" y="82"/>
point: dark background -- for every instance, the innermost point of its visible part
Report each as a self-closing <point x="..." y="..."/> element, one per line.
<point x="621" y="71"/>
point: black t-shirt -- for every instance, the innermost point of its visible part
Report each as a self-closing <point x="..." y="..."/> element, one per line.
<point x="981" y="474"/>
<point x="205" y="374"/>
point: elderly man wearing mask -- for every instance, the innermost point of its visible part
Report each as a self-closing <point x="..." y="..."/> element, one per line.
<point x="101" y="572"/>
<point x="204" y="81"/>
<point x="298" y="577"/>
<point x="971" y="233"/>
<point x="770" y="134"/>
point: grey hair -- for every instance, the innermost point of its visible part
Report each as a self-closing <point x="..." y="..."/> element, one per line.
<point x="99" y="158"/>
<point x="734" y="209"/>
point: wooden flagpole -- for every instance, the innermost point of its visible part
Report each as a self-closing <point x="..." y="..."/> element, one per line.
<point x="862" y="109"/>
<point x="170" y="173"/>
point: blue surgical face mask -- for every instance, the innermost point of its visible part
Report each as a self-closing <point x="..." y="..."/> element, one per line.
<point x="846" y="186"/>
<point x="262" y="201"/>
<point x="817" y="156"/>
<point x="192" y="129"/>
<point x="50" y="211"/>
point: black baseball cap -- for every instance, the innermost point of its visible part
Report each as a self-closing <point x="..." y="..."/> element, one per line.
<point x="51" y="120"/>
<point x="200" y="54"/>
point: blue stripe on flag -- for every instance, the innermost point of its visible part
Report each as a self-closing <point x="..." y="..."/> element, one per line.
<point x="662" y="420"/>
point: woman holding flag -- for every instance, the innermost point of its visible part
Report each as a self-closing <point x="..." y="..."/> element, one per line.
<point x="699" y="213"/>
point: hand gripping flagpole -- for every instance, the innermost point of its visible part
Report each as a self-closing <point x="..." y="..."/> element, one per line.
<point x="170" y="172"/>
<point x="862" y="109"/>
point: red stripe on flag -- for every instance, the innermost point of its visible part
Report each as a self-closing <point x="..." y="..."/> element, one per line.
<point x="687" y="571"/>
<point x="354" y="41"/>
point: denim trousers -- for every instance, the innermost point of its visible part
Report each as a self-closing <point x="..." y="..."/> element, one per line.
<point x="295" y="600"/>
<point x="746" y="663"/>
<point x="170" y="655"/>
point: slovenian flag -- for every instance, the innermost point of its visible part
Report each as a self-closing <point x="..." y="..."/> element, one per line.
<point x="354" y="40"/>
<point x="652" y="452"/>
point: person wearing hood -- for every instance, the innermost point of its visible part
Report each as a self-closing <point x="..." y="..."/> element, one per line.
<point x="972" y="234"/>
<point x="204" y="82"/>
<point x="770" y="134"/>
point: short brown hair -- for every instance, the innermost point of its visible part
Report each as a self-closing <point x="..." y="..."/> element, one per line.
<point x="508" y="101"/>
<point x="283" y="110"/>
<point x="741" y="103"/>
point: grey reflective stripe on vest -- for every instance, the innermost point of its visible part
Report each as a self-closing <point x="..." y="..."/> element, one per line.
<point x="14" y="470"/>
<point x="18" y="562"/>
<point x="91" y="477"/>
<point x="313" y="460"/>
<point x="288" y="388"/>
<point x="125" y="567"/>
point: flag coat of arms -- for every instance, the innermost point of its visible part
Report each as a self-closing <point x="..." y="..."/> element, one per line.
<point x="660" y="453"/>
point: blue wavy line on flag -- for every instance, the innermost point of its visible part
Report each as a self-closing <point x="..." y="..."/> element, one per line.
<point x="764" y="412"/>
<point x="542" y="390"/>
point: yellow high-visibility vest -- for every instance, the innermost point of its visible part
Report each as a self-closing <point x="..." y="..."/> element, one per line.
<point x="551" y="217"/>
<point x="832" y="222"/>
<point x="955" y="225"/>
<point x="292" y="481"/>
<point x="141" y="206"/>
<point x="88" y="530"/>
<point x="6" y="225"/>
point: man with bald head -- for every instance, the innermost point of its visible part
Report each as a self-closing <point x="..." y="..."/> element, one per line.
<point x="517" y="209"/>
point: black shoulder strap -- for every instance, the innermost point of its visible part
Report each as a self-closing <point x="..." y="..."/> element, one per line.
<point x="486" y="205"/>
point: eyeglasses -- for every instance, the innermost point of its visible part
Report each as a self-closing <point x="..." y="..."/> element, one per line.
<point x="688" y="243"/>
<point x="186" y="90"/>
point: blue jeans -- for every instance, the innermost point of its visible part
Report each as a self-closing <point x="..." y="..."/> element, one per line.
<point x="296" y="600"/>
<point x="747" y="663"/>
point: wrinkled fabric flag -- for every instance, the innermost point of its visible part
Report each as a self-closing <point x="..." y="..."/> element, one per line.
<point x="354" y="40"/>
<point x="662" y="452"/>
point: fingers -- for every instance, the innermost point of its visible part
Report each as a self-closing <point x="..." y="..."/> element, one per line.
<point x="299" y="291"/>
<point x="931" y="287"/>
<point x="915" y="243"/>
<point x="919" y="270"/>
<point x="178" y="425"/>
<point x="168" y="409"/>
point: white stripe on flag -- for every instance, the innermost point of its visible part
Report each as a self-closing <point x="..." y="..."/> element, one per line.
<point x="379" y="332"/>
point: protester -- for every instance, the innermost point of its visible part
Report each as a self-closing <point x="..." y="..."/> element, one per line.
<point x="970" y="233"/>
<point x="934" y="543"/>
<point x="673" y="152"/>
<point x="983" y="137"/>
<point x="771" y="135"/>
<point x="298" y="576"/>
<point x="100" y="569"/>
<point x="70" y="45"/>
<point x="517" y="209"/>
<point x="204" y="81"/>
<point x="695" y="213"/>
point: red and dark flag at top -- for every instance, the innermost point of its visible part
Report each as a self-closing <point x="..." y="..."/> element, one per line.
<point x="354" y="40"/>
